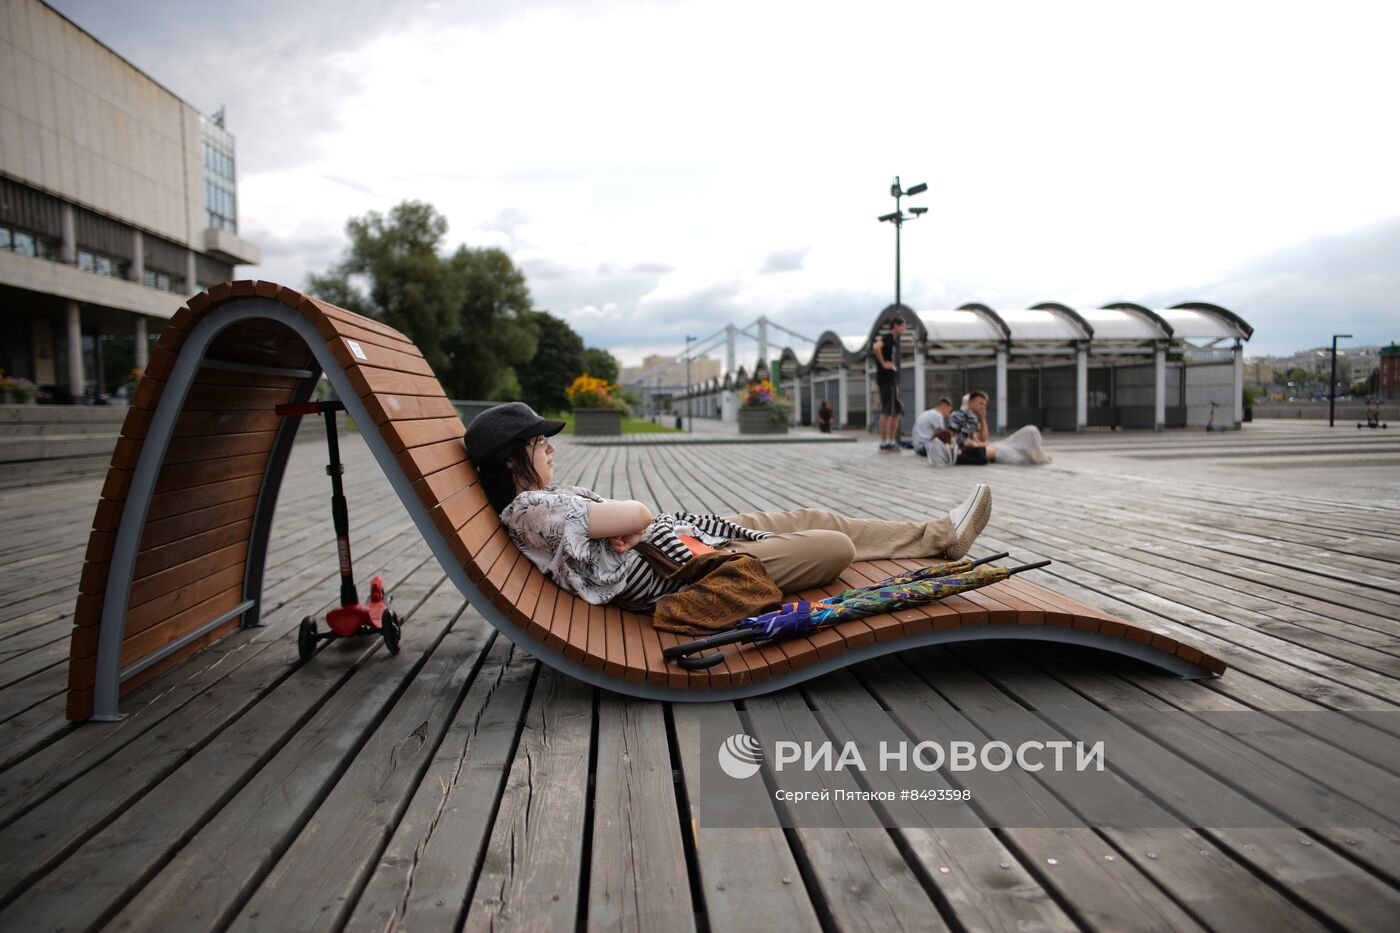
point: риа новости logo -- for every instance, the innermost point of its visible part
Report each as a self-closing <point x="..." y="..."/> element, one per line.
<point x="740" y="756"/>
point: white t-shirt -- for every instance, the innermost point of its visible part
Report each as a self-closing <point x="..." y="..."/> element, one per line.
<point x="925" y="425"/>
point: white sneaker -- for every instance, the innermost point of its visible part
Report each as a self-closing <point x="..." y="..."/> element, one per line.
<point x="969" y="519"/>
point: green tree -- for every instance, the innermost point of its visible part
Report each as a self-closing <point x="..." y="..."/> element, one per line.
<point x="408" y="287"/>
<point x="469" y="314"/>
<point x="600" y="363"/>
<point x="495" y="331"/>
<point x="557" y="362"/>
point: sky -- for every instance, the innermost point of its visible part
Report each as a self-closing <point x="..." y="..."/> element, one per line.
<point x="662" y="169"/>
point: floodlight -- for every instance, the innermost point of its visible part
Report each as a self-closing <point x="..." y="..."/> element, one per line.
<point x="917" y="211"/>
<point x="920" y="188"/>
<point x="889" y="216"/>
<point x="894" y="188"/>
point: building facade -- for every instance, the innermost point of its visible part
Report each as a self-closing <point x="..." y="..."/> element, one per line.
<point x="1388" y="386"/>
<point x="117" y="200"/>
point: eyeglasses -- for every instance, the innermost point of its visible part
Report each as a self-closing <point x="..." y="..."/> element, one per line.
<point x="537" y="443"/>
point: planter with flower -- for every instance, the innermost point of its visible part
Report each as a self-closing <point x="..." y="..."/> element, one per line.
<point x="15" y="391"/>
<point x="597" y="407"/>
<point x="762" y="410"/>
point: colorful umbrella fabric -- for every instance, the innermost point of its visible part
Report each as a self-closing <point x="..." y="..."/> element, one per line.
<point x="792" y="620"/>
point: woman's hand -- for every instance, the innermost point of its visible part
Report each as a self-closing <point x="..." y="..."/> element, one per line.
<point x="624" y="543"/>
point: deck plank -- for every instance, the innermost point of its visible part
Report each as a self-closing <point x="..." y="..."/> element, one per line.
<point x="426" y="872"/>
<point x="634" y="816"/>
<point x="532" y="868"/>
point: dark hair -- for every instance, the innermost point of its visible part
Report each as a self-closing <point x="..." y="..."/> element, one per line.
<point x="975" y="394"/>
<point x="943" y="400"/>
<point x="498" y="477"/>
<point x="896" y="321"/>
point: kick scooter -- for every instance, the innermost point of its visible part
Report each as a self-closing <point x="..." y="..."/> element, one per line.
<point x="350" y="618"/>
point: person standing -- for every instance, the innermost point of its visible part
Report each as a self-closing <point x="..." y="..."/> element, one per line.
<point x="825" y="415"/>
<point x="887" y="381"/>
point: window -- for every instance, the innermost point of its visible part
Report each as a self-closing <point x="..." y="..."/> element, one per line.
<point x="27" y="244"/>
<point x="220" y="201"/>
<point x="164" y="282"/>
<point x="101" y="265"/>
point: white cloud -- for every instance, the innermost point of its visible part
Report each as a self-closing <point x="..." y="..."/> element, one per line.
<point x="645" y="163"/>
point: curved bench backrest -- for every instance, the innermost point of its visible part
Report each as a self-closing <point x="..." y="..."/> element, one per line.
<point x="175" y="557"/>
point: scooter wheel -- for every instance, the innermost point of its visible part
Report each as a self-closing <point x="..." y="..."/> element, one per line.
<point x="306" y="639"/>
<point x="389" y="625"/>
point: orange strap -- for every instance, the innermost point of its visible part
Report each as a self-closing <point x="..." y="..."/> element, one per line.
<point x="695" y="545"/>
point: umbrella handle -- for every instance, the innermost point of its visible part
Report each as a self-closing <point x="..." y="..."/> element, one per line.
<point x="681" y="654"/>
<point x="991" y="557"/>
<point x="1035" y="566"/>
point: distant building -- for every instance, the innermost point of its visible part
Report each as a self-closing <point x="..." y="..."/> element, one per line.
<point x="117" y="200"/>
<point x="1259" y="374"/>
<point x="668" y="371"/>
<point x="1353" y="364"/>
<point x="1390" y="372"/>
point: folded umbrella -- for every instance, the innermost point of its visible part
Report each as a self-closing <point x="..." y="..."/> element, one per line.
<point x="793" y="620"/>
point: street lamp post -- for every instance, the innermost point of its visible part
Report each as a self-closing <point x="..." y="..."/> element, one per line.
<point x="689" y="402"/>
<point x="898" y="218"/>
<point x="1332" y="384"/>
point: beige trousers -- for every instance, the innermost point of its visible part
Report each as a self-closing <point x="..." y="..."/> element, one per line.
<point x="811" y="546"/>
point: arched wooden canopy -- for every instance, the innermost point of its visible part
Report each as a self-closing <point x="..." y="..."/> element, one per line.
<point x="175" y="558"/>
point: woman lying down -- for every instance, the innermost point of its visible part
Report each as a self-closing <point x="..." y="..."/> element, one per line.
<point x="592" y="546"/>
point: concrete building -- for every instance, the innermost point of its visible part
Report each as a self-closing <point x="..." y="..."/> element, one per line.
<point x="117" y="200"/>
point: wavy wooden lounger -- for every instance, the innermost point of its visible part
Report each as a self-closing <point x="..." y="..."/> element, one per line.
<point x="178" y="543"/>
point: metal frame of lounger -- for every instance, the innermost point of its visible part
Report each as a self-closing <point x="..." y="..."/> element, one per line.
<point x="109" y="674"/>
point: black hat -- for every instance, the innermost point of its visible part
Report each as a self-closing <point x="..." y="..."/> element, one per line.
<point x="495" y="429"/>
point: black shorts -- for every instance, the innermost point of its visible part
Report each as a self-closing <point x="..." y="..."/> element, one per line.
<point x="972" y="456"/>
<point x="889" y="405"/>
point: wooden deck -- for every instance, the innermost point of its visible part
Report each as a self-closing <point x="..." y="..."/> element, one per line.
<point x="461" y="784"/>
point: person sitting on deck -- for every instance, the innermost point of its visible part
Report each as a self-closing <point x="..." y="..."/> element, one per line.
<point x="588" y="544"/>
<point x="969" y="426"/>
<point x="930" y="422"/>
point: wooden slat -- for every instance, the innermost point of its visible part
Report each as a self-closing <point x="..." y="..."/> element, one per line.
<point x="384" y="408"/>
<point x="444" y="484"/>
<point x="369" y="380"/>
<point x="418" y="462"/>
<point x="143" y="643"/>
<point x="384" y="353"/>
<point x="405" y="434"/>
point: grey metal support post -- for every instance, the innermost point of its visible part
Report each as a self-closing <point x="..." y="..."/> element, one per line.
<point x="1332" y="383"/>
<point x="1081" y="387"/>
<point x="1002" y="354"/>
<point x="1159" y="382"/>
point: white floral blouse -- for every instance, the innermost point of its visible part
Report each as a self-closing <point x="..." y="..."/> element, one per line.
<point x="550" y="526"/>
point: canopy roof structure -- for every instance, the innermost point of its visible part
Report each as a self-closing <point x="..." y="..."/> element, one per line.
<point x="1045" y="328"/>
